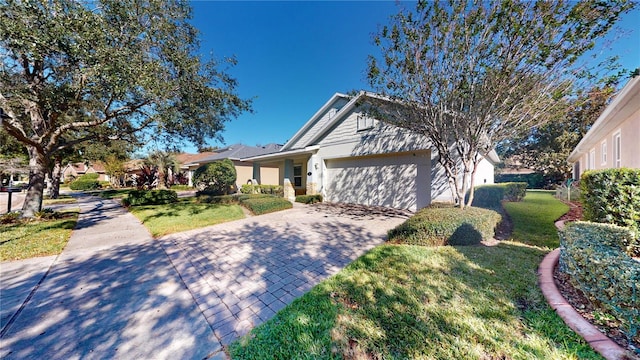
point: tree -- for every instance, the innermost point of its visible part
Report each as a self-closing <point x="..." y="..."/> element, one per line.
<point x="74" y="71"/>
<point x="216" y="177"/>
<point x="165" y="164"/>
<point x="472" y="74"/>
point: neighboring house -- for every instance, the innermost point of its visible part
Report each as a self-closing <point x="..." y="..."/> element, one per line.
<point x="75" y="170"/>
<point x="245" y="170"/>
<point x="614" y="139"/>
<point x="351" y="158"/>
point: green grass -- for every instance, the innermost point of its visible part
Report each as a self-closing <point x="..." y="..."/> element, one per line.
<point x="412" y="302"/>
<point x="533" y="219"/>
<point x="115" y="193"/>
<point x="32" y="238"/>
<point x="184" y="215"/>
<point x="62" y="199"/>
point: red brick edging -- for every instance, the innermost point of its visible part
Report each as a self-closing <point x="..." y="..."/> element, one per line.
<point x="597" y="340"/>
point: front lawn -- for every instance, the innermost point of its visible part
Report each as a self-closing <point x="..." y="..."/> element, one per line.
<point x="62" y="199"/>
<point x="184" y="215"/>
<point x="413" y="302"/>
<point x="31" y="238"/>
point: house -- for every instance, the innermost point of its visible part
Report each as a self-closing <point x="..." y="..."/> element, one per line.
<point x="75" y="170"/>
<point x="244" y="169"/>
<point x="612" y="141"/>
<point x="350" y="157"/>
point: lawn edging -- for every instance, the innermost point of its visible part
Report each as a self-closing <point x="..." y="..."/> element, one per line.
<point x="597" y="340"/>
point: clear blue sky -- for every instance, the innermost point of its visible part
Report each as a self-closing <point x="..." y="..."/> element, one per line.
<point x="293" y="56"/>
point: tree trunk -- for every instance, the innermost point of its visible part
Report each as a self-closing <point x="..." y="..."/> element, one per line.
<point x="37" y="173"/>
<point x="56" y="174"/>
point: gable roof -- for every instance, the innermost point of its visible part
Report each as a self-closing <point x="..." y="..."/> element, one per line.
<point x="621" y="108"/>
<point x="238" y="152"/>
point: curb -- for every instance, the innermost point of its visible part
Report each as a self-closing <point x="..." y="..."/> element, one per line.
<point x="597" y="340"/>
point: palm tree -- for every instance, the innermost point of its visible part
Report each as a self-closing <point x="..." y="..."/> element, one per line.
<point x="165" y="163"/>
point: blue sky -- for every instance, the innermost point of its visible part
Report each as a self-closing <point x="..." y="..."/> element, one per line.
<point x="293" y="56"/>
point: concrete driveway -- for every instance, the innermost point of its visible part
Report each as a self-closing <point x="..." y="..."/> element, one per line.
<point x="185" y="295"/>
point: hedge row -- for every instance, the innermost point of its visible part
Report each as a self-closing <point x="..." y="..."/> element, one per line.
<point x="309" y="199"/>
<point x="86" y="182"/>
<point x="150" y="197"/>
<point x="436" y="226"/>
<point x="591" y="254"/>
<point x="261" y="189"/>
<point x="612" y="196"/>
<point x="256" y="203"/>
<point x="491" y="196"/>
<point x="533" y="180"/>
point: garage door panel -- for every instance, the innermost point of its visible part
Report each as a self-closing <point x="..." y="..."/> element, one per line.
<point x="383" y="181"/>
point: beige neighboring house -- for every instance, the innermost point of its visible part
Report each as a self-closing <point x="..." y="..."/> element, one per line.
<point x="75" y="170"/>
<point x="614" y="139"/>
<point x="349" y="157"/>
<point x="267" y="175"/>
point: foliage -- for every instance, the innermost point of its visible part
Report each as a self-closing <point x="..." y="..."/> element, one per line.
<point x="533" y="219"/>
<point x="28" y="238"/>
<point x="468" y="76"/>
<point x="115" y="168"/>
<point x="491" y="196"/>
<point x="150" y="197"/>
<point x="594" y="257"/>
<point x="446" y="226"/>
<point x="533" y="180"/>
<point x="181" y="187"/>
<point x="216" y="177"/>
<point x="74" y="72"/>
<point x="10" y="217"/>
<point x="184" y="215"/>
<point x="115" y="193"/>
<point x="165" y="165"/>
<point x="569" y="192"/>
<point x="85" y="182"/>
<point x="262" y="189"/>
<point x="264" y="205"/>
<point x="612" y="196"/>
<point x="309" y="199"/>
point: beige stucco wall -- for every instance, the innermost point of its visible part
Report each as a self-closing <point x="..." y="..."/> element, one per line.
<point x="629" y="131"/>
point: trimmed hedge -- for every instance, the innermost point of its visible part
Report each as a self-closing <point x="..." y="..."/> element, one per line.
<point x="262" y="189"/>
<point x="491" y="196"/>
<point x="612" y="196"/>
<point x="256" y="203"/>
<point x="436" y="226"/>
<point x="533" y="180"/>
<point x="591" y="254"/>
<point x="309" y="199"/>
<point x="150" y="197"/>
<point x="84" y="185"/>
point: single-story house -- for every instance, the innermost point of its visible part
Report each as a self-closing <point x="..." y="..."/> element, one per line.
<point x="613" y="140"/>
<point x="350" y="157"/>
<point x="75" y="170"/>
<point x="245" y="170"/>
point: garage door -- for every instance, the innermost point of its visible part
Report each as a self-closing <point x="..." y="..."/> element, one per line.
<point x="401" y="181"/>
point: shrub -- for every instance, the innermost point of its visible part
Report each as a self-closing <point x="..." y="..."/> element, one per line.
<point x="216" y="178"/>
<point x="220" y="199"/>
<point x="10" y="217"/>
<point x="533" y="180"/>
<point x="491" y="196"/>
<point x="591" y="255"/>
<point x="262" y="189"/>
<point x="263" y="205"/>
<point x="612" y="196"/>
<point x="81" y="184"/>
<point x="89" y="176"/>
<point x="150" y="197"/>
<point x="446" y="226"/>
<point x="309" y="199"/>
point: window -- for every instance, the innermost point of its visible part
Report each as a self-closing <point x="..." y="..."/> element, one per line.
<point x="364" y="122"/>
<point x="592" y="159"/>
<point x="617" y="148"/>
<point x="297" y="175"/>
<point x="603" y="146"/>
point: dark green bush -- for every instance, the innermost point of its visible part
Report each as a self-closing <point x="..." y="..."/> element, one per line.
<point x="216" y="178"/>
<point x="592" y="255"/>
<point x="309" y="199"/>
<point x="491" y="196"/>
<point x="612" y="196"/>
<point x="446" y="226"/>
<point x="81" y="184"/>
<point x="261" y="189"/>
<point x="89" y="176"/>
<point x="150" y="197"/>
<point x="219" y="199"/>
<point x="533" y="180"/>
<point x="263" y="205"/>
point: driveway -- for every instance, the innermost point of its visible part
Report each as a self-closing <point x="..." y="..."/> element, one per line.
<point x="185" y="295"/>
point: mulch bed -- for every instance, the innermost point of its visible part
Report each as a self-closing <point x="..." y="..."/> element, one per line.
<point x="581" y="303"/>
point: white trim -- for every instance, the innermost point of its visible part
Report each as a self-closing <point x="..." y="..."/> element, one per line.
<point x="617" y="149"/>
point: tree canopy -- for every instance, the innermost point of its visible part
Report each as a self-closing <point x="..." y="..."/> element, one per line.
<point x="73" y="72"/>
<point x="471" y="74"/>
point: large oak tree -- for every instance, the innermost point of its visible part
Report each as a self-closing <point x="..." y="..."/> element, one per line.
<point x="471" y="74"/>
<point x="75" y="71"/>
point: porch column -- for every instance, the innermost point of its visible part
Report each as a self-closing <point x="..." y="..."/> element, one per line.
<point x="313" y="175"/>
<point x="190" y="177"/>
<point x="256" y="172"/>
<point x="289" y="191"/>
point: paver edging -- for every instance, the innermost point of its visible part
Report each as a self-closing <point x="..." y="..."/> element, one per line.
<point x="606" y="347"/>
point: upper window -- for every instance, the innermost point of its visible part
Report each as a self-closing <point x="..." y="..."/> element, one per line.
<point x="617" y="149"/>
<point x="297" y="175"/>
<point x="364" y="122"/>
<point x="603" y="148"/>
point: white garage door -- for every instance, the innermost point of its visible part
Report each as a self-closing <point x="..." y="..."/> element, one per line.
<point x="401" y="181"/>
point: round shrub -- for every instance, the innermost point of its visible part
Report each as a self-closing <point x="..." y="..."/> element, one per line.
<point x="81" y="184"/>
<point x="215" y="178"/>
<point x="150" y="197"/>
<point x="436" y="226"/>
